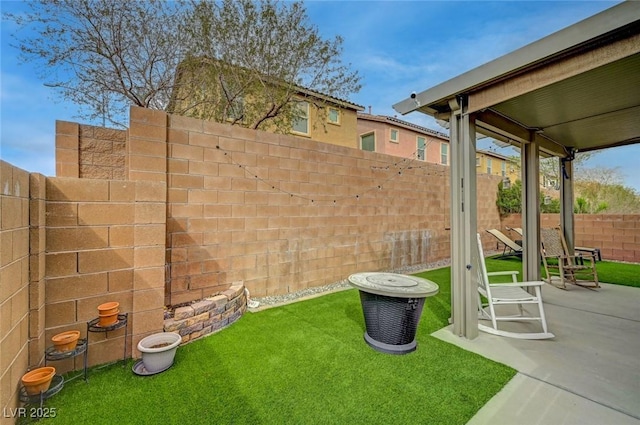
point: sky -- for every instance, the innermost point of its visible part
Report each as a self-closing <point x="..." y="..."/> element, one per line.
<point x="397" y="47"/>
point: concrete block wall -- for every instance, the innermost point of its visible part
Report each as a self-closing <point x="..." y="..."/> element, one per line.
<point x="105" y="242"/>
<point x="90" y="152"/>
<point x="15" y="331"/>
<point x="283" y="214"/>
<point x="616" y="235"/>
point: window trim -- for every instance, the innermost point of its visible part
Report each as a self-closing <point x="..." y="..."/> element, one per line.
<point x="371" y="133"/>
<point x="424" y="148"/>
<point x="339" y="115"/>
<point x="445" y="147"/>
<point x="397" y="132"/>
<point x="293" y="130"/>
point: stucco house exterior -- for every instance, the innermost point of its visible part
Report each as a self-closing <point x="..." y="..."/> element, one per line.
<point x="495" y="164"/>
<point x="393" y="136"/>
<point x="208" y="89"/>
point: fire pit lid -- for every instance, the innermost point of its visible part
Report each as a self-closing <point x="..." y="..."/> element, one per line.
<point x="393" y="285"/>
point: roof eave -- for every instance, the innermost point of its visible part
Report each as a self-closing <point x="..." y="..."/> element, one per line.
<point x="435" y="99"/>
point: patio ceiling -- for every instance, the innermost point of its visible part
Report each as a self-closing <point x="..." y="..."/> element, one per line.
<point x="577" y="89"/>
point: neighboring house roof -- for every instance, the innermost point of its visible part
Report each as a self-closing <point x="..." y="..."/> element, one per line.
<point x="401" y="123"/>
<point x="306" y="92"/>
<point x="329" y="99"/>
<point x="493" y="154"/>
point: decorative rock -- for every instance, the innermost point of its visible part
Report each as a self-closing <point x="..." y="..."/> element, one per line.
<point x="183" y="313"/>
<point x="219" y="300"/>
<point x="189" y="330"/>
<point x="172" y="325"/>
<point x="200" y="307"/>
<point x="197" y="319"/>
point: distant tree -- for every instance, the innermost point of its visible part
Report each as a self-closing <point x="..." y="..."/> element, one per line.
<point x="104" y="55"/>
<point x="251" y="62"/>
<point x="550" y="205"/>
<point x="509" y="200"/>
<point x="550" y="169"/>
<point x="611" y="198"/>
<point x="583" y="206"/>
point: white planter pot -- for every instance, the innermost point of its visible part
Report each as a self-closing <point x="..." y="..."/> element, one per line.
<point x="158" y="350"/>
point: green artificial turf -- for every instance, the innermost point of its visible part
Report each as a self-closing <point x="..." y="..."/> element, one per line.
<point x="627" y="274"/>
<point x="303" y="363"/>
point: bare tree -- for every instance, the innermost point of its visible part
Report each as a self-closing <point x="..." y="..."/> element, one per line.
<point x="250" y="62"/>
<point x="235" y="61"/>
<point x="104" y="55"/>
<point x="551" y="171"/>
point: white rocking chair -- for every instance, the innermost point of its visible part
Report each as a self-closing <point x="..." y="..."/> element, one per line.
<point x="498" y="294"/>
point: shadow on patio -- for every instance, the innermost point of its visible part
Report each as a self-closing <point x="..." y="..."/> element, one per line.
<point x="588" y="374"/>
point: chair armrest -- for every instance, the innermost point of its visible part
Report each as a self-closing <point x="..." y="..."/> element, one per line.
<point x="533" y="283"/>
<point x="512" y="273"/>
<point x="505" y="273"/>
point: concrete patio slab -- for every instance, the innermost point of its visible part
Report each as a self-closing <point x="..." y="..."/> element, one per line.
<point x="588" y="374"/>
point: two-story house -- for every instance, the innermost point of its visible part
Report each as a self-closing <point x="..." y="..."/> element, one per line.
<point x="392" y="136"/>
<point x="211" y="90"/>
<point x="488" y="162"/>
<point x="326" y="119"/>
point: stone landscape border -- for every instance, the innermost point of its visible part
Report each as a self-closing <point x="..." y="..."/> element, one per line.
<point x="209" y="315"/>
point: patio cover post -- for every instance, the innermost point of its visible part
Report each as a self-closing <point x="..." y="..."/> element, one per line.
<point x="566" y="201"/>
<point x="530" y="163"/>
<point x="464" y="294"/>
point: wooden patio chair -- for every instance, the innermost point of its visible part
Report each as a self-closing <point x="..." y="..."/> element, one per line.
<point x="578" y="269"/>
<point x="511" y="248"/>
<point x="493" y="299"/>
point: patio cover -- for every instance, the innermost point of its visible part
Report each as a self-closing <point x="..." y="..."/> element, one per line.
<point x="575" y="90"/>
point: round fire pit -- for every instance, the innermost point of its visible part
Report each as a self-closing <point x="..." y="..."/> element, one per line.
<point x="392" y="304"/>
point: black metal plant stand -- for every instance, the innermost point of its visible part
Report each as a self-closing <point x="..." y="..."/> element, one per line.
<point x="52" y="355"/>
<point x="56" y="385"/>
<point x="94" y="326"/>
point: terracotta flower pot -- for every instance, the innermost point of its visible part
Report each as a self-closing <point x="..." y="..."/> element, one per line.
<point x="65" y="341"/>
<point x="108" y="308"/>
<point x="38" y="380"/>
<point x="108" y="319"/>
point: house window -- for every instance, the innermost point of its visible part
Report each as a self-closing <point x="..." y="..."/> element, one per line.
<point x="489" y="166"/>
<point x="301" y="119"/>
<point x="368" y="142"/>
<point x="393" y="135"/>
<point x="504" y="169"/>
<point x="477" y="161"/>
<point x="444" y="153"/>
<point x="334" y="116"/>
<point x="422" y="143"/>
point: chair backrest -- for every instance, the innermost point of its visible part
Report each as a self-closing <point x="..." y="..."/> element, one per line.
<point x="505" y="239"/>
<point x="552" y="242"/>
<point x="481" y="268"/>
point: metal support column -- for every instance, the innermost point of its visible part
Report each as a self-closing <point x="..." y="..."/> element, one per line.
<point x="530" y="154"/>
<point x="464" y="295"/>
<point x="566" y="201"/>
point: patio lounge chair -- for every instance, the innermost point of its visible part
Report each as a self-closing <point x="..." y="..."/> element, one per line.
<point x="511" y="249"/>
<point x="499" y="295"/>
<point x="518" y="230"/>
<point x="577" y="269"/>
